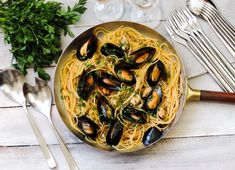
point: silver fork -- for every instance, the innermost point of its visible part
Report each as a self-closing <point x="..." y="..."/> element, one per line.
<point x="205" y="63"/>
<point x="218" y="16"/>
<point x="213" y="53"/>
<point x="196" y="26"/>
<point x="225" y="32"/>
<point x="218" y="25"/>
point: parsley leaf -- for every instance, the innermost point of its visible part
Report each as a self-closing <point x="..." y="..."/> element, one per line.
<point x="33" y="29"/>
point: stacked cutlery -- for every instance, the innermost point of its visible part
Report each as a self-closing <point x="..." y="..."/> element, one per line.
<point x="207" y="11"/>
<point x="183" y="27"/>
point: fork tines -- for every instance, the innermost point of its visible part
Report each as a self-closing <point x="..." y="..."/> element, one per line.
<point x="184" y="28"/>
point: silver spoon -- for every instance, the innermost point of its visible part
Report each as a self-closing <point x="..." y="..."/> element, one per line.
<point x="40" y="98"/>
<point x="11" y="84"/>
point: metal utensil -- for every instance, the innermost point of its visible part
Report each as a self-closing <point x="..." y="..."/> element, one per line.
<point x="209" y="2"/>
<point x="40" y="98"/>
<point x="198" y="53"/>
<point x="207" y="11"/>
<point x="188" y="25"/>
<point x="192" y="26"/>
<point x="11" y="84"/>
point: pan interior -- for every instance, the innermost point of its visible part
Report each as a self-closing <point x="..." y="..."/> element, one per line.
<point x="111" y="26"/>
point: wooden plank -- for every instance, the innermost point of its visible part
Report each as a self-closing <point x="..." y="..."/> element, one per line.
<point x="192" y="66"/>
<point x="186" y="56"/>
<point x="5" y="102"/>
<point x="197" y="119"/>
<point x="215" y="152"/>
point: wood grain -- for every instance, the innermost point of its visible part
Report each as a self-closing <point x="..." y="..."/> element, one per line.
<point x="203" y="138"/>
<point x="169" y="154"/>
<point x="217" y="96"/>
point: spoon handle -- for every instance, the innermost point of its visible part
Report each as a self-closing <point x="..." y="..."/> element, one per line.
<point x="45" y="150"/>
<point x="71" y="162"/>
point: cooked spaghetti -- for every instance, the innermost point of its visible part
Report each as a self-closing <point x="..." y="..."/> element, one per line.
<point x="127" y="95"/>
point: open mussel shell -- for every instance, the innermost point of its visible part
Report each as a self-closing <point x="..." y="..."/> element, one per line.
<point x="87" y="47"/>
<point x="154" y="99"/>
<point x="124" y="73"/>
<point x="111" y="49"/>
<point x="86" y="85"/>
<point x="114" y="134"/>
<point x="155" y="72"/>
<point x="87" y="126"/>
<point x="151" y="135"/>
<point x="105" y="110"/>
<point x="106" y="80"/>
<point x="134" y="115"/>
<point x="142" y="55"/>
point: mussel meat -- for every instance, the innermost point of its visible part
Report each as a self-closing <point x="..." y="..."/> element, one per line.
<point x="154" y="99"/>
<point x="108" y="81"/>
<point x="134" y="115"/>
<point x="105" y="110"/>
<point x="155" y="72"/>
<point x="115" y="133"/>
<point x="124" y="73"/>
<point x="151" y="135"/>
<point x="142" y="55"/>
<point x="146" y="92"/>
<point x="104" y="91"/>
<point x="87" y="126"/>
<point x="111" y="49"/>
<point x="87" y="47"/>
<point x="86" y="85"/>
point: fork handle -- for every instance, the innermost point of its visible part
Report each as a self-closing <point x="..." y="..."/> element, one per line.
<point x="45" y="150"/>
<point x="228" y="24"/>
<point x="69" y="158"/>
<point x="222" y="37"/>
<point x="207" y="65"/>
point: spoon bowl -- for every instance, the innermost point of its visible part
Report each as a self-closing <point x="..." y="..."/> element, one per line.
<point x="196" y="6"/>
<point x="11" y="83"/>
<point x="40" y="98"/>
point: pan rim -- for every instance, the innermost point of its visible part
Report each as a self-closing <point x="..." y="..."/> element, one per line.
<point x="115" y="24"/>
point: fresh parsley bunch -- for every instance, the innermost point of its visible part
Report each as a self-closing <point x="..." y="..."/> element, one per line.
<point x="33" y="28"/>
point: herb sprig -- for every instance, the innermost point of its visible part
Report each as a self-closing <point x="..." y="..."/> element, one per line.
<point x="33" y="28"/>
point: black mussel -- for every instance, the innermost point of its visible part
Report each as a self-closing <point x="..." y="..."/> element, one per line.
<point x="111" y="49"/>
<point x="124" y="73"/>
<point x="108" y="81"/>
<point x="155" y="72"/>
<point x="105" y="110"/>
<point x="154" y="99"/>
<point x="134" y="115"/>
<point x="142" y="55"/>
<point x="151" y="135"/>
<point x="86" y="85"/>
<point x="114" y="134"/>
<point x="87" y="47"/>
<point x="87" y="126"/>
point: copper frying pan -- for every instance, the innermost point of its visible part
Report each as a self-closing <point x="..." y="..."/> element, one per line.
<point x="188" y="93"/>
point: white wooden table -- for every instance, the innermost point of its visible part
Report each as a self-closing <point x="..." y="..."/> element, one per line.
<point x="203" y="138"/>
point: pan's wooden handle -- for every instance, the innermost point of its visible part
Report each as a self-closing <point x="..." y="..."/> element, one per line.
<point x="217" y="96"/>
